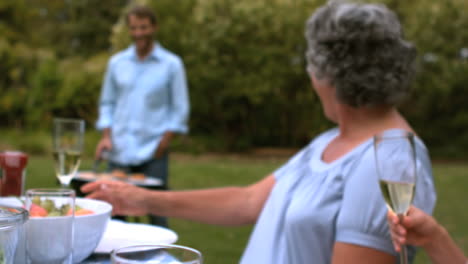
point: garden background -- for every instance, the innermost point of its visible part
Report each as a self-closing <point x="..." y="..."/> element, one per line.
<point x="248" y="88"/>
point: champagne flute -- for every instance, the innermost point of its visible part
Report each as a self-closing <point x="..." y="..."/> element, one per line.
<point x="68" y="139"/>
<point x="395" y="158"/>
<point x="156" y="254"/>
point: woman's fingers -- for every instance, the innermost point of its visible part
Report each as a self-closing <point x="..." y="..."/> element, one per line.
<point x="120" y="194"/>
<point x="397" y="231"/>
<point x="396" y="246"/>
<point x="392" y="218"/>
<point x="99" y="185"/>
<point x="397" y="239"/>
<point x="90" y="187"/>
<point x="98" y="195"/>
<point x="104" y="191"/>
<point x="100" y="190"/>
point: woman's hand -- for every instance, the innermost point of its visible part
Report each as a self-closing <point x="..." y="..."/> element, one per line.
<point x="420" y="229"/>
<point x="416" y="228"/>
<point x="125" y="198"/>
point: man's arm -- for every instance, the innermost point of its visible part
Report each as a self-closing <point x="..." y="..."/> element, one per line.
<point x="106" y="110"/>
<point x="179" y="101"/>
<point x="107" y="100"/>
<point x="180" y="105"/>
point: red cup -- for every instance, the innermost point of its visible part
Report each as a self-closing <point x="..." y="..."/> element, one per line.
<point x="13" y="167"/>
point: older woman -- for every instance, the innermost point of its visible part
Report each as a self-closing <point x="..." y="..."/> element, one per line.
<point x="324" y="205"/>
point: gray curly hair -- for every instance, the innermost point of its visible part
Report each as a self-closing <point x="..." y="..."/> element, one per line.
<point x="360" y="50"/>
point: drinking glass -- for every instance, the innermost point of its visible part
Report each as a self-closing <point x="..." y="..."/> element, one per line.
<point x="11" y="234"/>
<point x="156" y="254"/>
<point x="395" y="158"/>
<point x="49" y="231"/>
<point x="68" y="139"/>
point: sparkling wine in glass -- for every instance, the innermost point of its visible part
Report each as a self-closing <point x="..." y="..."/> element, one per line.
<point x="395" y="157"/>
<point x="68" y="141"/>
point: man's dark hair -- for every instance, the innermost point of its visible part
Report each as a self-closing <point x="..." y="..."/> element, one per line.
<point x="142" y="12"/>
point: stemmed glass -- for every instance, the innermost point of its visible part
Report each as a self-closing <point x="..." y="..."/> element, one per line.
<point x="68" y="141"/>
<point x="395" y="158"/>
<point x="156" y="254"/>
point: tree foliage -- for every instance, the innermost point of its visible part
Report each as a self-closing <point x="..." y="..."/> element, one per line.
<point x="52" y="58"/>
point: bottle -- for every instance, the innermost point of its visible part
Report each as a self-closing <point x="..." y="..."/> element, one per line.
<point x="13" y="172"/>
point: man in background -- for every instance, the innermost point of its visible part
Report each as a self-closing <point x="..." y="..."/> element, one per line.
<point x="144" y="103"/>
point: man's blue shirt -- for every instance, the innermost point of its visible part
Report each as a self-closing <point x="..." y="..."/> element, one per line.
<point x="142" y="99"/>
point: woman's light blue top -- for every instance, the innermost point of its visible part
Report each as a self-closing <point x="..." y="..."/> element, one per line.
<point x="142" y="99"/>
<point x="314" y="204"/>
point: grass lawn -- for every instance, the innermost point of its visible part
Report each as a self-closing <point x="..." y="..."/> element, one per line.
<point x="225" y="244"/>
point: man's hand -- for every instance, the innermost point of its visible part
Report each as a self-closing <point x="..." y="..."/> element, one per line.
<point x="164" y="144"/>
<point x="104" y="144"/>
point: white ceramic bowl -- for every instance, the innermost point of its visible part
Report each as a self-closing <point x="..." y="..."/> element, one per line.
<point x="89" y="228"/>
<point x="87" y="233"/>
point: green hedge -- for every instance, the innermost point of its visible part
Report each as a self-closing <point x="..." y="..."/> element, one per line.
<point x="245" y="66"/>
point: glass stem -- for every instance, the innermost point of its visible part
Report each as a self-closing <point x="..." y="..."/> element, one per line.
<point x="403" y="252"/>
<point x="63" y="185"/>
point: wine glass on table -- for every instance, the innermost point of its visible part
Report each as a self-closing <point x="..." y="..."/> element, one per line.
<point x="68" y="141"/>
<point x="395" y="157"/>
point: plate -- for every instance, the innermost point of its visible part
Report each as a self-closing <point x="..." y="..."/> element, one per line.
<point x="121" y="234"/>
<point x="89" y="176"/>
